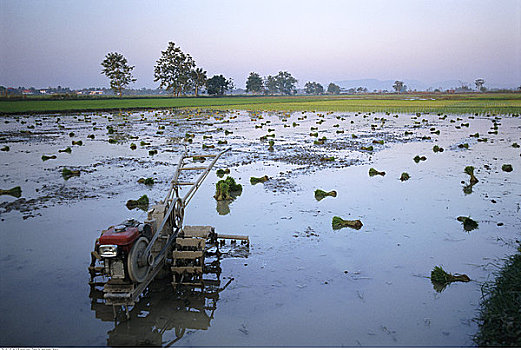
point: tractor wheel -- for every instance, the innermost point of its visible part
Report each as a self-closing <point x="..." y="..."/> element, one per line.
<point x="136" y="271"/>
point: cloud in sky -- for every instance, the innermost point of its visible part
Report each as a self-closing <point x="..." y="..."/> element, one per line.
<point x="52" y="42"/>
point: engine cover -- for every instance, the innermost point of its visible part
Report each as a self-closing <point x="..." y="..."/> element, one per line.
<point x="119" y="235"/>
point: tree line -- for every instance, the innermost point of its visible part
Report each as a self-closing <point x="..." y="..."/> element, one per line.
<point x="178" y="73"/>
<point x="175" y="71"/>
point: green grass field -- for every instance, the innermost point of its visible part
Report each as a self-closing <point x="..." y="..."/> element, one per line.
<point x="436" y="103"/>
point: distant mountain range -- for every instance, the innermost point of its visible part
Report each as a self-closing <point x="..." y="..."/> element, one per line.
<point x="375" y="84"/>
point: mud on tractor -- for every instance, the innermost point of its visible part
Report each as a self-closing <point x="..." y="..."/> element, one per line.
<point x="129" y="256"/>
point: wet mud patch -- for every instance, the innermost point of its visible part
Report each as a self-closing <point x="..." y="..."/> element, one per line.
<point x="307" y="233"/>
<point x="51" y="195"/>
<point x="312" y="159"/>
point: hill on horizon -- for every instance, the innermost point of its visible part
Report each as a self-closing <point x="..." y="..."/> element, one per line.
<point x="376" y="84"/>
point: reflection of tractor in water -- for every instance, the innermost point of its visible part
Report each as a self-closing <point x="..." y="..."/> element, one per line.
<point x="161" y="318"/>
<point x="129" y="256"/>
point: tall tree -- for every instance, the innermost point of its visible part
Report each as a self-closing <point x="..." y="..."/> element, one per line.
<point x="479" y="84"/>
<point x="198" y="79"/>
<point x="218" y="85"/>
<point x="116" y="68"/>
<point x="334" y="89"/>
<point x="399" y="86"/>
<point x="286" y="84"/>
<point x="254" y="83"/>
<point x="173" y="69"/>
<point x="271" y="85"/>
<point x="313" y="88"/>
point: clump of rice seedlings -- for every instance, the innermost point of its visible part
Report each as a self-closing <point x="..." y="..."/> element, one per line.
<point x="141" y="203"/>
<point x="437" y="132"/>
<point x="354" y="136"/>
<point x="207" y="137"/>
<point x="15" y="192"/>
<point x="407" y="133"/>
<point x="484" y="139"/>
<point x="44" y="157"/>
<point x="463" y="145"/>
<point x="5" y="149"/>
<point x="112" y="141"/>
<point x="208" y="146"/>
<point x="91" y="136"/>
<point x="222" y="142"/>
<point x="337" y="223"/>
<point x="437" y="149"/>
<point x="148" y="181"/>
<point x="227" y="132"/>
<point x="417" y="159"/>
<point x="515" y="145"/>
<point x="255" y="180"/>
<point x="319" y="194"/>
<point x="222" y="172"/>
<point x="469" y="170"/>
<point x="379" y="142"/>
<point x="110" y="129"/>
<point x="320" y="141"/>
<point x="227" y="189"/>
<point x="442" y="278"/>
<point x="314" y="134"/>
<point x="475" y="135"/>
<point x="133" y="146"/>
<point x="405" y="176"/>
<point x="152" y="152"/>
<point x="507" y="167"/>
<point x="468" y="223"/>
<point x="327" y="159"/>
<point x="198" y="158"/>
<point x="374" y="172"/>
<point x="67" y="173"/>
<point x="367" y="148"/>
<point x="340" y="131"/>
<point x="71" y="134"/>
<point x="77" y="143"/>
<point x="66" y="150"/>
<point x="271" y="143"/>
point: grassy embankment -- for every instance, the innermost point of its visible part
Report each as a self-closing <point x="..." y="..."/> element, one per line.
<point x="500" y="318"/>
<point x="435" y="103"/>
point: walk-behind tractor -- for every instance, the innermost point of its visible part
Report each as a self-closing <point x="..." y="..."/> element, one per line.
<point x="128" y="256"/>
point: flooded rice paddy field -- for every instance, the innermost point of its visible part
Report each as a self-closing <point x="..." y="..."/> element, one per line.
<point x="302" y="283"/>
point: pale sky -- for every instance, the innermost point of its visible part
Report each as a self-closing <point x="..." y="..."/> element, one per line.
<point x="52" y="42"/>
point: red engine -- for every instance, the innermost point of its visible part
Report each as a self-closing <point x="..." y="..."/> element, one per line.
<point x="120" y="246"/>
<point x="119" y="235"/>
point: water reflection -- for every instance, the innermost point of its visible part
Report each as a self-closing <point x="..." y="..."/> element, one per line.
<point x="467" y="189"/>
<point x="223" y="207"/>
<point x="161" y="316"/>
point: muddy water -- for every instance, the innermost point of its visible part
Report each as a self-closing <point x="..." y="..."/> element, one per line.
<point x="302" y="283"/>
